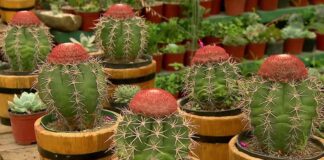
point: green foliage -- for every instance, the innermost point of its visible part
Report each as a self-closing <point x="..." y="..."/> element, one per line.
<point x="124" y="93"/>
<point x="172" y="82"/>
<point x="317" y="21"/>
<point x="295" y="28"/>
<point x="26" y="103"/>
<point x="273" y="34"/>
<point x="174" y="49"/>
<point x="233" y="32"/>
<point x="153" y="38"/>
<point x="171" y="32"/>
<point x="86" y="41"/>
<point x="85" y="5"/>
<point x="256" y="33"/>
<point x="26" y="47"/>
<point x="210" y="28"/>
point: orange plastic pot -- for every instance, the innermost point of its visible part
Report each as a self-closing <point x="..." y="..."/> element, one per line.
<point x="170" y="58"/>
<point x="234" y="7"/>
<point x="251" y="5"/>
<point x="216" y="7"/>
<point x="89" y="20"/>
<point x="268" y="5"/>
<point x="255" y="51"/>
<point x="294" y="46"/>
<point x="237" y="52"/>
<point x="155" y="13"/>
<point x="23" y="127"/>
<point x="159" y="61"/>
<point x="207" y="4"/>
<point x="320" y="41"/>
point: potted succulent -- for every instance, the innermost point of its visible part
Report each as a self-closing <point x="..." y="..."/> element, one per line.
<point x="275" y="40"/>
<point x="122" y="96"/>
<point x="123" y="37"/>
<point x="171" y="8"/>
<point x="234" y="7"/>
<point x="282" y="105"/>
<point x="23" y="112"/>
<point x="153" y="129"/>
<point x="213" y="101"/>
<point x="309" y="42"/>
<point x="251" y="5"/>
<point x="256" y="36"/>
<point x="172" y="53"/>
<point x="74" y="89"/>
<point x="9" y="8"/>
<point x="317" y="25"/>
<point x="88" y="43"/>
<point x="26" y="44"/>
<point x="269" y="5"/>
<point x="207" y="5"/>
<point x="210" y="32"/>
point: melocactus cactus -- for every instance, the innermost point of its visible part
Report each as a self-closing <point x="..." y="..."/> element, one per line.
<point x="283" y="104"/>
<point x="73" y="86"/>
<point x="27" y="42"/>
<point x="152" y="128"/>
<point x="211" y="82"/>
<point x="121" y="34"/>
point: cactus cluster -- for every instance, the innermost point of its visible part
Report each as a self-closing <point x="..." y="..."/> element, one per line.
<point x="283" y="102"/>
<point x="121" y="34"/>
<point x="152" y="129"/>
<point x="124" y="93"/>
<point x="26" y="42"/>
<point x="73" y="86"/>
<point x="212" y="81"/>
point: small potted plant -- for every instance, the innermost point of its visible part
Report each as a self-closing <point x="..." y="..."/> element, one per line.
<point x="213" y="101"/>
<point x="207" y="5"/>
<point x="172" y="53"/>
<point x="317" y="25"/>
<point x="122" y="96"/>
<point x="26" y="43"/>
<point x="275" y="40"/>
<point x="88" y="43"/>
<point x="283" y="103"/>
<point x="23" y="112"/>
<point x="171" y="82"/>
<point x="73" y="86"/>
<point x="256" y="36"/>
<point x="269" y="5"/>
<point x="210" y="32"/>
<point x="309" y="42"/>
<point x="153" y="129"/>
<point x="234" y="7"/>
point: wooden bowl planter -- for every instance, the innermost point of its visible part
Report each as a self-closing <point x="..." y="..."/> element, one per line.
<point x="10" y="7"/>
<point x="207" y="4"/>
<point x="294" y="46"/>
<point x="169" y="58"/>
<point x="234" y="7"/>
<point x="216" y="7"/>
<point x="213" y="131"/>
<point x="238" y="152"/>
<point x="155" y="13"/>
<point x="267" y="5"/>
<point x="23" y="126"/>
<point x="89" y="20"/>
<point x="171" y="10"/>
<point x="251" y="5"/>
<point x="236" y="52"/>
<point x="12" y="83"/>
<point x="255" y="51"/>
<point x="274" y="48"/>
<point x="320" y="41"/>
<point x="94" y="144"/>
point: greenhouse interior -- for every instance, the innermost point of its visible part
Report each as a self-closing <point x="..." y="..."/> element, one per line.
<point x="162" y="80"/>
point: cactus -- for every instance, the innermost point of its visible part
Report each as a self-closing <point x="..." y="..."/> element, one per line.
<point x="27" y="42"/>
<point x="73" y="87"/>
<point x="152" y="129"/>
<point x="124" y="93"/>
<point x="283" y="104"/>
<point x="26" y="103"/>
<point x="211" y="83"/>
<point x="121" y="34"/>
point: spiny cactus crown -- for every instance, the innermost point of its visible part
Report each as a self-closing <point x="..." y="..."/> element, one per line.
<point x="283" y="68"/>
<point x="125" y="93"/>
<point x="73" y="87"/>
<point x="210" y="54"/>
<point x="120" y="11"/>
<point x="152" y="129"/>
<point x="25" y="18"/>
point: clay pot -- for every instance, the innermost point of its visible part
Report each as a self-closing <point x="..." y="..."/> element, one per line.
<point x="299" y="3"/>
<point x="188" y="56"/>
<point x="207" y="4"/>
<point x="255" y="51"/>
<point x="294" y="46"/>
<point x="159" y="61"/>
<point x="216" y="7"/>
<point x="268" y="5"/>
<point x="154" y="15"/>
<point x="171" y="10"/>
<point x="320" y="41"/>
<point x="170" y="58"/>
<point x="237" y="52"/>
<point x="317" y="1"/>
<point x="210" y="40"/>
<point x="89" y="20"/>
<point x="251" y="5"/>
<point x="234" y="7"/>
<point x="23" y="127"/>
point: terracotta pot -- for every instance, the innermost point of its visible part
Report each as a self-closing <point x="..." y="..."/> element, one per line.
<point x="299" y="3"/>
<point x="294" y="46"/>
<point x="309" y="45"/>
<point x="274" y="48"/>
<point x="159" y="61"/>
<point x="317" y="1"/>
<point x="188" y="56"/>
<point x="268" y="5"/>
<point x="207" y="4"/>
<point x="170" y="58"/>
<point x="23" y="127"/>
<point x="171" y="10"/>
<point x="234" y="7"/>
<point x="212" y="40"/>
<point x="320" y="41"/>
<point x="251" y="5"/>
<point x="216" y="7"/>
<point x="237" y="52"/>
<point x="89" y="20"/>
<point x="154" y="15"/>
<point x="255" y="51"/>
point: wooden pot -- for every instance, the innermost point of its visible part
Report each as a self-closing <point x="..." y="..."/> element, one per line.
<point x="94" y="144"/>
<point x="213" y="132"/>
<point x="10" y="7"/>
<point x="10" y="85"/>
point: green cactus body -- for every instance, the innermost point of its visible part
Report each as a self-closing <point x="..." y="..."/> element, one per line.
<point x="123" y="39"/>
<point x="73" y="92"/>
<point x="25" y="46"/>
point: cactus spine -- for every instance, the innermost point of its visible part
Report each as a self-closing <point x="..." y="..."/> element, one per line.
<point x="121" y="34"/>
<point x="283" y="104"/>
<point x="27" y="42"/>
<point x="152" y="129"/>
<point x="211" y="82"/>
<point x="73" y="87"/>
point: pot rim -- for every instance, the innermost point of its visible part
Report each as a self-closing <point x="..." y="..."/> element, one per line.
<point x="147" y="60"/>
<point x="16" y="114"/>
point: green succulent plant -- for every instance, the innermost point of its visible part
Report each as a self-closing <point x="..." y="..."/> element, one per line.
<point x="174" y="49"/>
<point x="124" y="93"/>
<point x="256" y="33"/>
<point x="26" y="103"/>
<point x="88" y="42"/>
